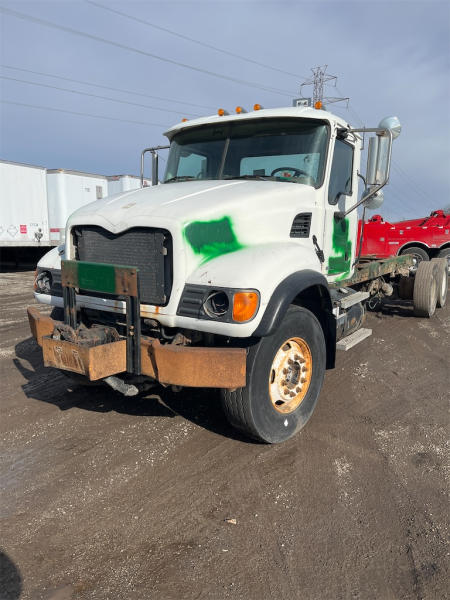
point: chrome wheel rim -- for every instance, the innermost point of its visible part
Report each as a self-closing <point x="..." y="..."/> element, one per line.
<point x="290" y="375"/>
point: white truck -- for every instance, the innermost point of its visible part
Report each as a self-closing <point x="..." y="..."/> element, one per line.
<point x="238" y="272"/>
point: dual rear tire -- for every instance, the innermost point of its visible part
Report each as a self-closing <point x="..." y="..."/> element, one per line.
<point x="430" y="287"/>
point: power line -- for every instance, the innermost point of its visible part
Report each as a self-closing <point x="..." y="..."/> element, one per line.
<point x="54" y="87"/>
<point x="71" y="112"/>
<point x="106" y="87"/>
<point x="410" y="181"/>
<point x="97" y="38"/>
<point x="193" y="40"/>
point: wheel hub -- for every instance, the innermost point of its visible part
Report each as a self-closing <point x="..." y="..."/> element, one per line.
<point x="290" y="375"/>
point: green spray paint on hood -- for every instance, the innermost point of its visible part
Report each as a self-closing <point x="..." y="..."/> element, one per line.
<point x="211" y="239"/>
<point x="342" y="246"/>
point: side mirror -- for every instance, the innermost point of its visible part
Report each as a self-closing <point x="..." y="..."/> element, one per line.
<point x="379" y="152"/>
<point x="377" y="160"/>
<point x="375" y="201"/>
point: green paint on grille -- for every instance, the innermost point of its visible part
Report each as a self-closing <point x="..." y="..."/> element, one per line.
<point x="212" y="238"/>
<point x="342" y="247"/>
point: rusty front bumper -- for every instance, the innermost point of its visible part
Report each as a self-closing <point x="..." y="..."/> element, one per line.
<point x="168" y="364"/>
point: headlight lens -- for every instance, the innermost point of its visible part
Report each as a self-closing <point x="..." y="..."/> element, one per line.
<point x="216" y="304"/>
<point x="43" y="282"/>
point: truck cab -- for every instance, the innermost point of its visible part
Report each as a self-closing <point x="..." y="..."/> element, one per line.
<point x="230" y="271"/>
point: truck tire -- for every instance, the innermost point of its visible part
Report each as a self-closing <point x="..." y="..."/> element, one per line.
<point x="445" y="253"/>
<point x="285" y="373"/>
<point x="442" y="281"/>
<point x="425" y="289"/>
<point x="418" y="254"/>
<point x="406" y="288"/>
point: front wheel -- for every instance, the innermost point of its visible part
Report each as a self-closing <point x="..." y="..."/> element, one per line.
<point x="285" y="373"/>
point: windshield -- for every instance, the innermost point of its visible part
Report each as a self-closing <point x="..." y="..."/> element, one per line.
<point x="292" y="150"/>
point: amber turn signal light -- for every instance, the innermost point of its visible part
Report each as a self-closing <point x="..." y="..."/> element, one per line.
<point x="245" y="305"/>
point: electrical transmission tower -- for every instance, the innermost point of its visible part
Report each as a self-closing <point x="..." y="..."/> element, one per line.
<point x="318" y="80"/>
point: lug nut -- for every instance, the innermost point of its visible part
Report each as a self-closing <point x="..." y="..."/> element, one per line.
<point x="286" y="391"/>
<point x="297" y="357"/>
<point x="297" y="389"/>
<point x="303" y="380"/>
<point x="285" y="371"/>
<point x="292" y="394"/>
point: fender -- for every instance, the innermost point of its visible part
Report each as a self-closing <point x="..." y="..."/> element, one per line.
<point x="283" y="296"/>
<point x="285" y="293"/>
<point x="412" y="243"/>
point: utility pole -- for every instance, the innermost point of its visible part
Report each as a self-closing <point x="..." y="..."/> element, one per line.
<point x="318" y="80"/>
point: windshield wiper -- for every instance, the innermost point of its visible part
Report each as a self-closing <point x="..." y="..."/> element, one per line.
<point x="262" y="177"/>
<point x="180" y="178"/>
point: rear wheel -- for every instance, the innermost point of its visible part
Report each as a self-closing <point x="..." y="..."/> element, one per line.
<point x="425" y="289"/>
<point x="284" y="377"/>
<point x="418" y="254"/>
<point x="442" y="281"/>
<point x="445" y="253"/>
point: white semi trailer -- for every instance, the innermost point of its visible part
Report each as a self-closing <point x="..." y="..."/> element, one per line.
<point x="24" y="219"/>
<point x="124" y="183"/>
<point x="239" y="272"/>
<point x="67" y="191"/>
<point x="36" y="202"/>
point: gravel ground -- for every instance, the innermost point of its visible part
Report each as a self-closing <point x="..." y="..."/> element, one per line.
<point x="158" y="498"/>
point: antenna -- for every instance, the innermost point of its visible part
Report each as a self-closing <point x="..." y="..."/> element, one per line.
<point x="318" y="80"/>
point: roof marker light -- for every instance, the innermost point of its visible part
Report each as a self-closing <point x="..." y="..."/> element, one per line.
<point x="222" y="112"/>
<point x="240" y="110"/>
<point x="318" y="105"/>
<point x="257" y="107"/>
<point x="184" y="120"/>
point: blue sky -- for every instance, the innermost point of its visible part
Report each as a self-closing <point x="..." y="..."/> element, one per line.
<point x="390" y="58"/>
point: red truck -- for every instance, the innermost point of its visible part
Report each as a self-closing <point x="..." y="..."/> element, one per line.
<point x="424" y="238"/>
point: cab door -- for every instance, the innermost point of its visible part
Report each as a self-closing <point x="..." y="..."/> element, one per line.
<point x="340" y="235"/>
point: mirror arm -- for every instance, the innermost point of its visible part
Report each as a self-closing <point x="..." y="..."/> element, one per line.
<point x="154" y="153"/>
<point x="377" y="188"/>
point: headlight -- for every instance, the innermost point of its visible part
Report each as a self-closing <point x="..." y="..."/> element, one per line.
<point x="218" y="304"/>
<point x="43" y="282"/>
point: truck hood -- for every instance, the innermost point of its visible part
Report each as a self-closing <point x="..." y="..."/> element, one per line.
<point x="183" y="202"/>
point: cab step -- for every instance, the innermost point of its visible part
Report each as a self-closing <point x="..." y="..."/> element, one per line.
<point x="352" y="299"/>
<point x="353" y="339"/>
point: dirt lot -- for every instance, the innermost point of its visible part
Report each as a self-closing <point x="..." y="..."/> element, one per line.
<point x="112" y="498"/>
